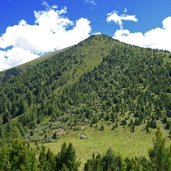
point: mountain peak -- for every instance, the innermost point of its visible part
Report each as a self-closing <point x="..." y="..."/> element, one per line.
<point x="100" y="36"/>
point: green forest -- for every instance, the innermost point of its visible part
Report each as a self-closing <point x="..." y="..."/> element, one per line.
<point x="100" y="80"/>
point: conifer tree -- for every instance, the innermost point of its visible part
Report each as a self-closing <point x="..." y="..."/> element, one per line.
<point x="66" y="158"/>
<point x="159" y="155"/>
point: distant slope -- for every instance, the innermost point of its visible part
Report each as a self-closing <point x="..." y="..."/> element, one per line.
<point x="13" y="72"/>
<point x="34" y="62"/>
<point x="98" y="79"/>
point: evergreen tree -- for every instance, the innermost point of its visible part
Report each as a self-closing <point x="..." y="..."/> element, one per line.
<point x="66" y="158"/>
<point x="17" y="156"/>
<point x="159" y="155"/>
<point x="46" y="160"/>
<point x="95" y="163"/>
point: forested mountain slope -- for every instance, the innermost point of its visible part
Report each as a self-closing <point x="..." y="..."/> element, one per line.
<point x="98" y="79"/>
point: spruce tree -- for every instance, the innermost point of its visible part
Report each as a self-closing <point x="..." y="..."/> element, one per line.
<point x="159" y="155"/>
<point x="67" y="158"/>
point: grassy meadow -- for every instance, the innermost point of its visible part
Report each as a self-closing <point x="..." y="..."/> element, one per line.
<point x="121" y="140"/>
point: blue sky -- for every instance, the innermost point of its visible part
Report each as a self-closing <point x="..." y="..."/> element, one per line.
<point x="30" y="28"/>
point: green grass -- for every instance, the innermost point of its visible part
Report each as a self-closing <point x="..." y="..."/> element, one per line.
<point x="121" y="140"/>
<point x="36" y="61"/>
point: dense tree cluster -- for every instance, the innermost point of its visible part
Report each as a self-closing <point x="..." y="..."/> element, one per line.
<point x="20" y="157"/>
<point x="17" y="156"/>
<point x="130" y="83"/>
<point x="100" y="78"/>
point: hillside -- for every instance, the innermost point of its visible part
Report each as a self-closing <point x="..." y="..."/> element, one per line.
<point x="100" y="79"/>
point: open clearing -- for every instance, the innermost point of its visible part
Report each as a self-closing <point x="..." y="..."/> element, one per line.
<point x="121" y="140"/>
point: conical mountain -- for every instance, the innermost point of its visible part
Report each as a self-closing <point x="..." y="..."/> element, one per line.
<point x="98" y="79"/>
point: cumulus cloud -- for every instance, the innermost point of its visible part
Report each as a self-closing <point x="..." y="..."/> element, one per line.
<point x="118" y="19"/>
<point x="155" y="38"/>
<point x="97" y="33"/>
<point x="15" y="56"/>
<point x="50" y="31"/>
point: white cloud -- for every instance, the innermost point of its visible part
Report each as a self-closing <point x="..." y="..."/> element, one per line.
<point x="51" y="31"/>
<point x="45" y="4"/>
<point x="15" y="56"/>
<point x="118" y="19"/>
<point x="159" y="38"/>
<point x="97" y="33"/>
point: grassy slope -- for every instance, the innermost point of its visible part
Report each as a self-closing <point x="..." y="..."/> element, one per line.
<point x="92" y="51"/>
<point x="34" y="62"/>
<point x="88" y="50"/>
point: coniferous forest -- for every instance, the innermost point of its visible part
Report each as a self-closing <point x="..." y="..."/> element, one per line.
<point x="98" y="80"/>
